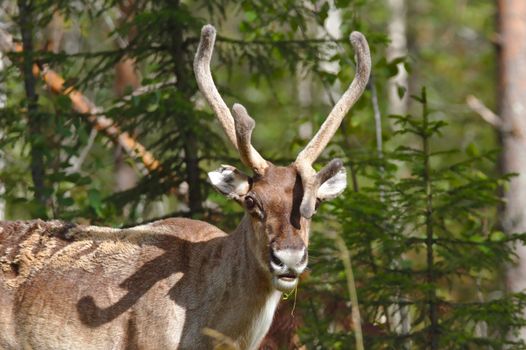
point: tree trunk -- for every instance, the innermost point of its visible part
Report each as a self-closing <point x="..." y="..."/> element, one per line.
<point x="184" y="78"/>
<point x="397" y="48"/>
<point x="512" y="109"/>
<point x="3" y="99"/>
<point x="3" y="103"/>
<point x="399" y="315"/>
<point x="36" y="138"/>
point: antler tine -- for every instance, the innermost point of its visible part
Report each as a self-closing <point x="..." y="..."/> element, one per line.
<point x="311" y="152"/>
<point x="240" y="139"/>
<point x="244" y="126"/>
<point x="310" y="180"/>
<point x="206" y="83"/>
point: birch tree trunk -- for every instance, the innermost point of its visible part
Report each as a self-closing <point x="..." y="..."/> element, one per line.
<point x="400" y="318"/>
<point x="397" y="48"/>
<point x="512" y="109"/>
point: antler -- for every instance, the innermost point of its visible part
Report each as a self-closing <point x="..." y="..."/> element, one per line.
<point x="310" y="153"/>
<point x="238" y="132"/>
<point x="244" y="126"/>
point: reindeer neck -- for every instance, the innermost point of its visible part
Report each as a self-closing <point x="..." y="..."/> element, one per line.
<point x="245" y="249"/>
<point x="248" y="280"/>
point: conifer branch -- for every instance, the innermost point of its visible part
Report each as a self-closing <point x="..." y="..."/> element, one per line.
<point x="85" y="107"/>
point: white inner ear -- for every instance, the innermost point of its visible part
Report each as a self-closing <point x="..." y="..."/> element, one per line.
<point x="229" y="181"/>
<point x="333" y="187"/>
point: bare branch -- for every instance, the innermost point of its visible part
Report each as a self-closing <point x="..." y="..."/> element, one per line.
<point x="122" y="42"/>
<point x="220" y="340"/>
<point x="78" y="161"/>
<point x="351" y="287"/>
<point x="377" y="121"/>
<point x="143" y="90"/>
<point x="484" y="112"/>
<point x="378" y="131"/>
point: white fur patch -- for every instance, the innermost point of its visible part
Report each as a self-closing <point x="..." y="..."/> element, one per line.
<point x="177" y="317"/>
<point x="333" y="187"/>
<point x="262" y="322"/>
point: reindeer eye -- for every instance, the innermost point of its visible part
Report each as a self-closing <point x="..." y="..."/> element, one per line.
<point x="250" y="203"/>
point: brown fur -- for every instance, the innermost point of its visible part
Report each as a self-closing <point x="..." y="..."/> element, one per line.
<point x="155" y="286"/>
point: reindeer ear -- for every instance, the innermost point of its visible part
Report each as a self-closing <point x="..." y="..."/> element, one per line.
<point x="230" y="182"/>
<point x="333" y="187"/>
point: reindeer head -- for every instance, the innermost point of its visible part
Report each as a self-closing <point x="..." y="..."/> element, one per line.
<point x="279" y="201"/>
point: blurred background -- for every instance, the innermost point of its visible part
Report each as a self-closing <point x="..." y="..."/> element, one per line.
<point x="101" y="122"/>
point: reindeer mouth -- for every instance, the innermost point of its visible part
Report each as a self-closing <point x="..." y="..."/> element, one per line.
<point x="288" y="277"/>
<point x="285" y="282"/>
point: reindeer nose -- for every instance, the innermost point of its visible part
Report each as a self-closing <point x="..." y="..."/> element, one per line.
<point x="293" y="259"/>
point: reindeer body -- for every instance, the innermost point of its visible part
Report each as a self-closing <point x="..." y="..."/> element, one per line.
<point x="149" y="287"/>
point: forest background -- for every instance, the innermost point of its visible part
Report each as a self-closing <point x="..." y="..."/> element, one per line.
<point x="101" y="122"/>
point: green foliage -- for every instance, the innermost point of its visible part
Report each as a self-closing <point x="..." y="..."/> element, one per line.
<point x="426" y="250"/>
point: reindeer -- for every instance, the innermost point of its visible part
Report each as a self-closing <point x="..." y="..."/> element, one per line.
<point x="159" y="285"/>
